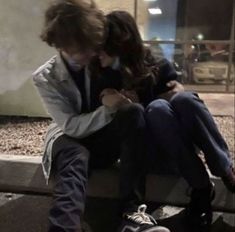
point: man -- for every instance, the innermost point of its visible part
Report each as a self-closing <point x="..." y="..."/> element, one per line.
<point x="87" y="133"/>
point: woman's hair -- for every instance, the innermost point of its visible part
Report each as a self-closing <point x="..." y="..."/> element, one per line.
<point x="124" y="40"/>
<point x="73" y="22"/>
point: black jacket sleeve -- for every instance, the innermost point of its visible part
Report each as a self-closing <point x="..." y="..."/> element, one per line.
<point x="162" y="71"/>
<point x="165" y="73"/>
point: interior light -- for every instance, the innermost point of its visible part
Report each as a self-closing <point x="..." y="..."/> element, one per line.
<point x="150" y="0"/>
<point x="155" y="11"/>
<point x="200" y="36"/>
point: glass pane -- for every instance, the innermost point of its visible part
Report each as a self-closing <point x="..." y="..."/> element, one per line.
<point x="201" y="67"/>
<point x="207" y="19"/>
<point x="157" y="19"/>
<point x="208" y="63"/>
<point x="107" y="5"/>
<point x="185" y="19"/>
<point x="231" y="87"/>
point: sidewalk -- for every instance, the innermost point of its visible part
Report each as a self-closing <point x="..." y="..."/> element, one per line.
<point x="219" y="104"/>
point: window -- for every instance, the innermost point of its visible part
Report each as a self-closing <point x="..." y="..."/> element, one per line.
<point x="196" y="36"/>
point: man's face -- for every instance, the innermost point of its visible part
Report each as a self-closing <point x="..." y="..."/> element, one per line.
<point x="78" y="56"/>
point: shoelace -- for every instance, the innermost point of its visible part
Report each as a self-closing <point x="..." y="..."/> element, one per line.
<point x="141" y="217"/>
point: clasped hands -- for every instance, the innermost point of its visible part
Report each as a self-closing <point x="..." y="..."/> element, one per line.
<point x="114" y="98"/>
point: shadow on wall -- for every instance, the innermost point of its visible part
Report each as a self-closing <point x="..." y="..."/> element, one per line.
<point x="24" y="101"/>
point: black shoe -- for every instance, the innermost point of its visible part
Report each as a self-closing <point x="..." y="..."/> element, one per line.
<point x="229" y="180"/>
<point x="199" y="211"/>
<point x="140" y="222"/>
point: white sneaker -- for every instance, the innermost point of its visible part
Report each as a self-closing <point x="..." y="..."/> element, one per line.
<point x="140" y="221"/>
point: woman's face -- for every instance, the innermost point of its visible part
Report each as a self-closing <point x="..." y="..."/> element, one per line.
<point x="106" y="60"/>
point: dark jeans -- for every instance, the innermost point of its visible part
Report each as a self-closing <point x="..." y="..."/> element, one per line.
<point x="180" y="126"/>
<point x="123" y="138"/>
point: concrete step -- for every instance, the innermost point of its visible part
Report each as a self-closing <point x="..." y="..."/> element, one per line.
<point x="25" y="213"/>
<point x="22" y="174"/>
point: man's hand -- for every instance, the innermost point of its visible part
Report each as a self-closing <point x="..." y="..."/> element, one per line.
<point x="175" y="87"/>
<point x="112" y="98"/>
<point x="131" y="94"/>
<point x="108" y="91"/>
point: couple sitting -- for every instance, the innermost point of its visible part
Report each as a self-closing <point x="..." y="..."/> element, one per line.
<point x="110" y="99"/>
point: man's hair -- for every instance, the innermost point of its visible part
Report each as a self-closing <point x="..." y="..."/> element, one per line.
<point x="73" y="23"/>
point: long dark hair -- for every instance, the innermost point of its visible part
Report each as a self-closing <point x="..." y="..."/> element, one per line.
<point x="123" y="39"/>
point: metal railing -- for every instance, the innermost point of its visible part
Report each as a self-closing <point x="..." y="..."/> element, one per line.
<point x="229" y="43"/>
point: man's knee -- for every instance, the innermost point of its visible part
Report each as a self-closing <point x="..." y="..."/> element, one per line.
<point x="132" y="108"/>
<point x="130" y="117"/>
<point x="131" y="111"/>
<point x="82" y="153"/>
<point x="67" y="150"/>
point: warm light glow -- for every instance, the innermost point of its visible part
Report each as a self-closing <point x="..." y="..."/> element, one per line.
<point x="155" y="11"/>
<point x="200" y="36"/>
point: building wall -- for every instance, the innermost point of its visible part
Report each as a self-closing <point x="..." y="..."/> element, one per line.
<point x="21" y="52"/>
<point x="107" y="5"/>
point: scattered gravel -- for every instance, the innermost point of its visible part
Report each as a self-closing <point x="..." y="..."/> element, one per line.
<point x="226" y="126"/>
<point x="24" y="136"/>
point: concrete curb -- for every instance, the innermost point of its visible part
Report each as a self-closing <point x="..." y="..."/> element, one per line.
<point x="23" y="174"/>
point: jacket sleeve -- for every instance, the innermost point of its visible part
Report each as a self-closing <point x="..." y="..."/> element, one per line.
<point x="166" y="73"/>
<point x="65" y="115"/>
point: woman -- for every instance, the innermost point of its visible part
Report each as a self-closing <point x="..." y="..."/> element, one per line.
<point x="179" y="123"/>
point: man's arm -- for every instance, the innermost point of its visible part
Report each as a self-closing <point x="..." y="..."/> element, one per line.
<point x="65" y="114"/>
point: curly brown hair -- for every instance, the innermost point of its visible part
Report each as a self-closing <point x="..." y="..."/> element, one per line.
<point x="73" y="23"/>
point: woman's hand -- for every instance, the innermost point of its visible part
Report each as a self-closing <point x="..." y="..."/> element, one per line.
<point x="175" y="87"/>
<point x="131" y="94"/>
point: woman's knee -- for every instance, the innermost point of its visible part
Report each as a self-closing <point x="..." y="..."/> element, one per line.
<point x="184" y="100"/>
<point x="157" y="109"/>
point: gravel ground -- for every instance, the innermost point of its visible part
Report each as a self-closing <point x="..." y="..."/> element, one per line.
<point x="24" y="136"/>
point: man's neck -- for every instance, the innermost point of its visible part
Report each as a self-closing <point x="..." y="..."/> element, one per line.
<point x="74" y="67"/>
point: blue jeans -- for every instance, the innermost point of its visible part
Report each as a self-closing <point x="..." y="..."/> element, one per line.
<point x="181" y="126"/>
<point x="123" y="138"/>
